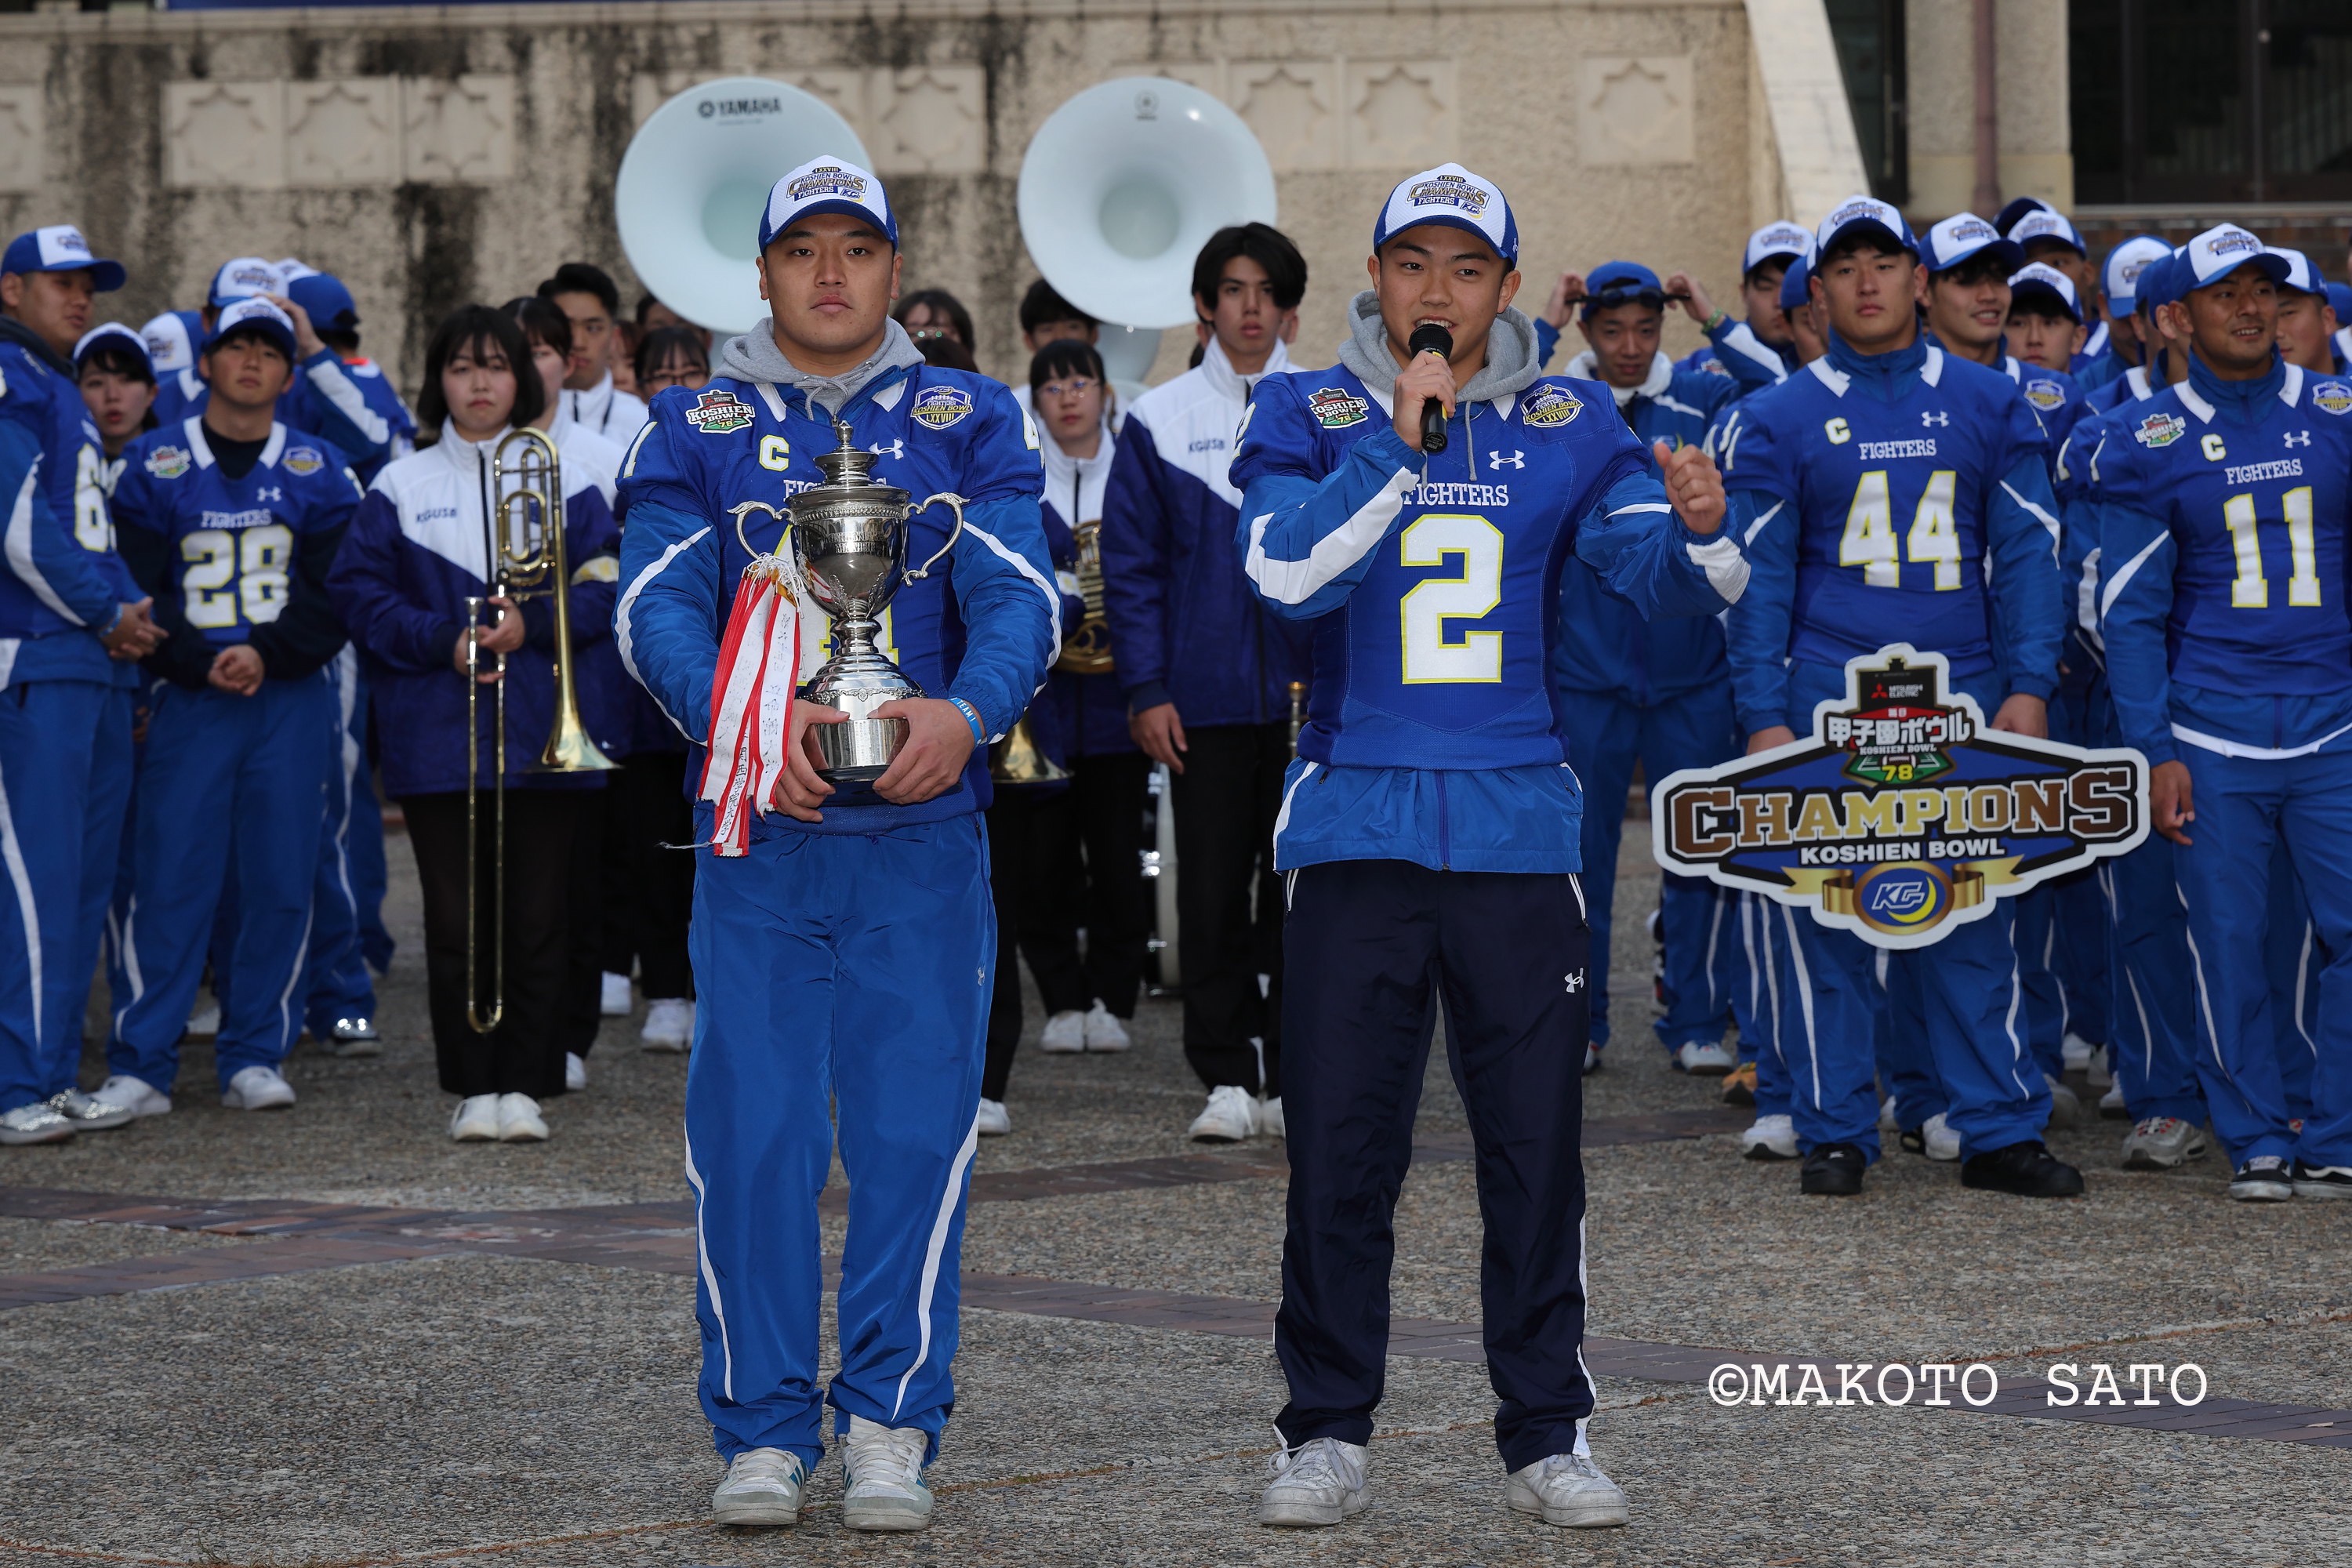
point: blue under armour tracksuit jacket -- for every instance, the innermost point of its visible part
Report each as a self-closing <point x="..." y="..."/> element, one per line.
<point x="1898" y="497"/>
<point x="845" y="966"/>
<point x="1430" y="839"/>
<point x="64" y="716"/>
<point x="2223" y="538"/>
<point x="1656" y="691"/>
<point x="231" y="559"/>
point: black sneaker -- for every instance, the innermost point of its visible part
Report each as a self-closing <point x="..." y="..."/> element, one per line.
<point x="2322" y="1181"/>
<point x="1833" y="1170"/>
<point x="2026" y="1170"/>
<point x="2264" y="1179"/>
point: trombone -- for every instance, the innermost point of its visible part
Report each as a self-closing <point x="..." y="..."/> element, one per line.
<point x="522" y="519"/>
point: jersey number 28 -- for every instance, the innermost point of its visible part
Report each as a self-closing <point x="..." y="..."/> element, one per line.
<point x="256" y="558"/>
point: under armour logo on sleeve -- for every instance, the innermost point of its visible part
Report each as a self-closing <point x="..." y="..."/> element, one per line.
<point x="1575" y="982"/>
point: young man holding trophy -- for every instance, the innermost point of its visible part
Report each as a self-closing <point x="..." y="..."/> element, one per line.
<point x="844" y="925"/>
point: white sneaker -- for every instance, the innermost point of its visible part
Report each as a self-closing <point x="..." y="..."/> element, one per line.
<point x="1886" y="1121"/>
<point x="2065" y="1105"/>
<point x="1771" y="1137"/>
<point x="1567" y="1489"/>
<point x="142" y="1098"/>
<point x="575" y="1072"/>
<point x="204" y="1024"/>
<point x="1320" y="1482"/>
<point x="518" y="1119"/>
<point x="1704" y="1060"/>
<point x="669" y="1024"/>
<point x="35" y="1123"/>
<point x="1230" y="1117"/>
<point x="1941" y="1144"/>
<point x="763" y="1486"/>
<point x="2162" y="1142"/>
<point x="1269" y="1118"/>
<point x="476" y="1119"/>
<point x="882" y="1477"/>
<point x="993" y="1121"/>
<point x="613" y="1003"/>
<point x="257" y="1089"/>
<point x="1064" y="1033"/>
<point x="89" y="1114"/>
<point x="2078" y="1053"/>
<point x="1103" y="1031"/>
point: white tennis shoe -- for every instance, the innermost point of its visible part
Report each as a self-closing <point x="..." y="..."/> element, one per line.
<point x="882" y="1474"/>
<point x="1569" y="1490"/>
<point x="1320" y="1482"/>
<point x="762" y="1488"/>
<point x="476" y="1119"/>
<point x="1066" y="1034"/>
<point x="257" y="1089"/>
<point x="1229" y="1116"/>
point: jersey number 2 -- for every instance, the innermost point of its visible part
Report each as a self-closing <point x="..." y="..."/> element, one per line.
<point x="256" y="558"/>
<point x="1869" y="540"/>
<point x="1429" y="656"/>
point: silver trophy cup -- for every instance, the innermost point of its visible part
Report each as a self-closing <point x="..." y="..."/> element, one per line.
<point x="849" y="538"/>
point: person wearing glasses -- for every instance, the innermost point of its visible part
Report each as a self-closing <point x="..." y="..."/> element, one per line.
<point x="672" y="356"/>
<point x="929" y="314"/>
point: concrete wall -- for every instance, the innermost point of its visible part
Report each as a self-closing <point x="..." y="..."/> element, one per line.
<point x="432" y="157"/>
<point x="2036" y="155"/>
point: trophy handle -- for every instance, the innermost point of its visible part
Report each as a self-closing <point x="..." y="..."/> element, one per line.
<point x="750" y="506"/>
<point x="955" y="505"/>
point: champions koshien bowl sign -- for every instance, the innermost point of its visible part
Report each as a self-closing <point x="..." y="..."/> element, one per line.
<point x="1904" y="814"/>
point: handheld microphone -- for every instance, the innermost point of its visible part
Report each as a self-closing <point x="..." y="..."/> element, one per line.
<point x="1430" y="338"/>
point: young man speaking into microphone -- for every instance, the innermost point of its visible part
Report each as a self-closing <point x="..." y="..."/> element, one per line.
<point x="1419" y="519"/>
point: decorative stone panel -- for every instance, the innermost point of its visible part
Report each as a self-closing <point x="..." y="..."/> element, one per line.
<point x="1293" y="107"/>
<point x="459" y="132"/>
<point x="24" y="121"/>
<point x="1635" y="108"/>
<point x="341" y="133"/>
<point x="224" y="134"/>
<point x="929" y="120"/>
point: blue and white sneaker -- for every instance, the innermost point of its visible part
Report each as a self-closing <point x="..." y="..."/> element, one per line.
<point x="762" y="1488"/>
<point x="882" y="1469"/>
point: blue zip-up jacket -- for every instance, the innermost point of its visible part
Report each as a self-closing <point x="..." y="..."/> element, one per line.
<point x="1185" y="628"/>
<point x="64" y="584"/>
<point x="1901" y="497"/>
<point x="2222" y="535"/>
<point x="1605" y="644"/>
<point x="354" y="408"/>
<point x="1432" y="588"/>
<point x="984" y="626"/>
<point x="1090" y="711"/>
<point x="416" y="550"/>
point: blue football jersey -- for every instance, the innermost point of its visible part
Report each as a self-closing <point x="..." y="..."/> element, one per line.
<point x="233" y="543"/>
<point x="1434" y="582"/>
<point x="1871" y="492"/>
<point x="2254" y="498"/>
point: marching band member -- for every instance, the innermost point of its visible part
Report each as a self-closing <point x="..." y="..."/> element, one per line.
<point x="68" y="607"/>
<point x="1429" y="836"/>
<point x="419" y="550"/>
<point x="2223" y="539"/>
<point x="1108" y="772"/>
<point x="586" y="295"/>
<point x="1046" y="318"/>
<point x="672" y="356"/>
<point x="1653" y="691"/>
<point x="852" y="941"/>
<point x="117" y="387"/>
<point x="929" y="314"/>
<point x="1207" y="671"/>
<point x="229" y="519"/>
<point x="1874" y="497"/>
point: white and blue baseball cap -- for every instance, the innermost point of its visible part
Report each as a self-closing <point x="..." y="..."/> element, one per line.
<point x="1962" y="237"/>
<point x="827" y="184"/>
<point x="2301" y="275"/>
<point x="2041" y="278"/>
<point x="255" y="315"/>
<point x="2017" y="207"/>
<point x="1775" y="241"/>
<point x="242" y="277"/>
<point x="115" y="332"/>
<point x="1864" y="214"/>
<point x="171" y="339"/>
<point x="2119" y="279"/>
<point x="2221" y="250"/>
<point x="2049" y="224"/>
<point x="1453" y="196"/>
<point x="289" y="269"/>
<point x="61" y="248"/>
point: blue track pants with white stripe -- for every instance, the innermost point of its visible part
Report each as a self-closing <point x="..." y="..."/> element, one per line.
<point x="2244" y="807"/>
<point x="230" y="787"/>
<point x="841" y="976"/>
<point x="1969" y="998"/>
<point x="65" y="774"/>
<point x="338" y="986"/>
<point x="1606" y="735"/>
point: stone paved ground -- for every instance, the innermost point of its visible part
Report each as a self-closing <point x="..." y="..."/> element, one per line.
<point x="486" y="1406"/>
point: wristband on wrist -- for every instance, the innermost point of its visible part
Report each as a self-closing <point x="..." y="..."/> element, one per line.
<point x="1715" y="323"/>
<point x="971" y="717"/>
